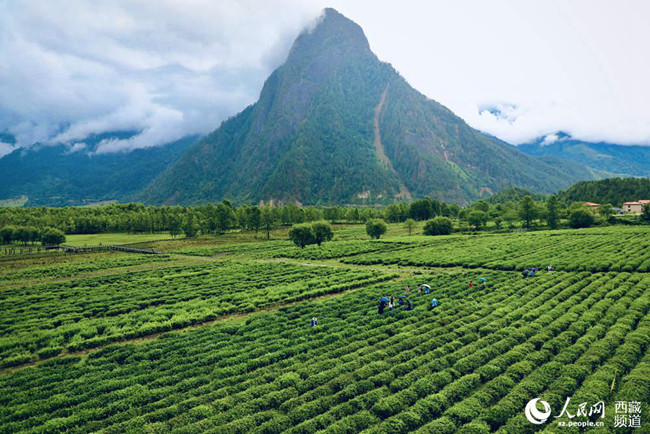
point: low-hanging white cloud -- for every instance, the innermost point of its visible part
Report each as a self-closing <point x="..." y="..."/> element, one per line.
<point x="168" y="69"/>
<point x="550" y="139"/>
<point x="578" y="66"/>
<point x="516" y="70"/>
<point x="6" y="148"/>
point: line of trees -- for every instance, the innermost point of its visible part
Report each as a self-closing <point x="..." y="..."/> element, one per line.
<point x="551" y="212"/>
<point x="208" y="219"/>
<point x="504" y="210"/>
<point x="205" y="219"/>
<point x="31" y="235"/>
<point x="304" y="234"/>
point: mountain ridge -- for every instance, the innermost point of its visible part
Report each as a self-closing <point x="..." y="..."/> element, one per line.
<point x="62" y="174"/>
<point x="313" y="136"/>
<point x="617" y="160"/>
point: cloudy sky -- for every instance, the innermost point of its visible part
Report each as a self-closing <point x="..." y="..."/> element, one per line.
<point x="515" y="69"/>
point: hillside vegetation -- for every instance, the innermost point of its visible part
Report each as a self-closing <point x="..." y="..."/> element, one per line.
<point x="623" y="160"/>
<point x="53" y="175"/>
<point x="614" y="191"/>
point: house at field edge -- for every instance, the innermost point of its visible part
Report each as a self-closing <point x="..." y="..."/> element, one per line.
<point x="591" y="206"/>
<point x="635" y="207"/>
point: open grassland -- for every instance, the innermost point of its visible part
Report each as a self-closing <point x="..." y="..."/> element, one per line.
<point x="80" y="240"/>
<point x="469" y="366"/>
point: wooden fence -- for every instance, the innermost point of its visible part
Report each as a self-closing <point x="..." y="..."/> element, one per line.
<point x="35" y="250"/>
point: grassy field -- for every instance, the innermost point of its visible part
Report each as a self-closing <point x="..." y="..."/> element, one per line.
<point x="215" y="336"/>
<point x="80" y="240"/>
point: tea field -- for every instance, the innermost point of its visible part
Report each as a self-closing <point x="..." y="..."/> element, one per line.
<point x="216" y="336"/>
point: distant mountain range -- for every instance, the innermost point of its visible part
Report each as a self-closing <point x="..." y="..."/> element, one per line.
<point x="620" y="160"/>
<point x="333" y="125"/>
<point x="59" y="175"/>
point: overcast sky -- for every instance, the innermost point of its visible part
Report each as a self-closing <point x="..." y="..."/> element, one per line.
<point x="517" y="69"/>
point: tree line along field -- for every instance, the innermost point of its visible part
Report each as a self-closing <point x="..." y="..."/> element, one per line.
<point x="469" y="366"/>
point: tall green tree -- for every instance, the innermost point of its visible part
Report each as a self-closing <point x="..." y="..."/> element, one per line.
<point x="175" y="223"/>
<point x="581" y="218"/>
<point x="302" y="234"/>
<point x="352" y="215"/>
<point x="7" y="234"/>
<point x="645" y="215"/>
<point x="605" y="210"/>
<point x="481" y="206"/>
<point x="510" y="216"/>
<point x="396" y="212"/>
<point x="313" y="214"/>
<point x="478" y="219"/>
<point x="190" y="227"/>
<point x="225" y="218"/>
<point x="421" y="209"/>
<point x="438" y="226"/>
<point x="34" y="234"/>
<point x="450" y="210"/>
<point x="52" y="237"/>
<point x="254" y="220"/>
<point x="22" y="234"/>
<point x="409" y="224"/>
<point x="242" y="217"/>
<point x="436" y="207"/>
<point x="268" y="220"/>
<point x="552" y="212"/>
<point x="322" y="231"/>
<point x="376" y="228"/>
<point x="333" y="213"/>
<point x="527" y="210"/>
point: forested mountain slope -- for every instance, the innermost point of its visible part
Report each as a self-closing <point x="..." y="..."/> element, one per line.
<point x="334" y="124"/>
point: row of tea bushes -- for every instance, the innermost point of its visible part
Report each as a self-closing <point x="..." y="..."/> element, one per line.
<point x="471" y="364"/>
<point x="619" y="249"/>
<point x="41" y="321"/>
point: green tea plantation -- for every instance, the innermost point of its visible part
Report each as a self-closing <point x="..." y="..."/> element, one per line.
<point x="217" y="337"/>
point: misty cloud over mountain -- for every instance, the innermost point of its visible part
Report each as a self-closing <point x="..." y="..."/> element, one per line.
<point x="168" y="69"/>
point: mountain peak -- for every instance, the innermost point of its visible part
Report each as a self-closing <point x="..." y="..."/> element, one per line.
<point x="332" y="34"/>
<point x="335" y="125"/>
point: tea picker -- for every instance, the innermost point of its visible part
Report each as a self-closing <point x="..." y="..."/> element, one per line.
<point x="382" y="305"/>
